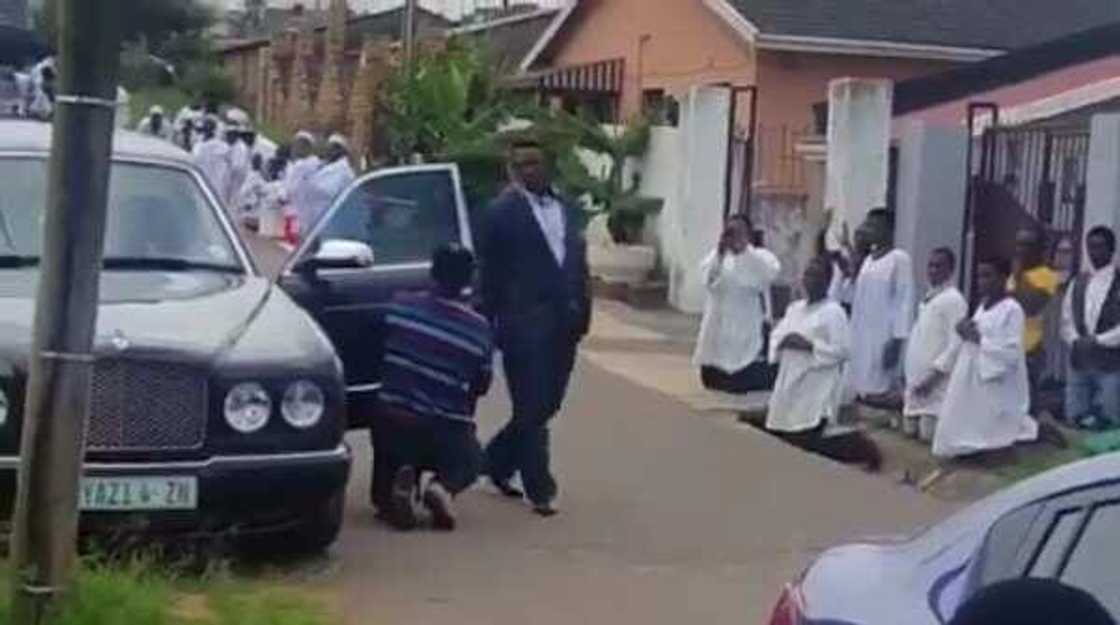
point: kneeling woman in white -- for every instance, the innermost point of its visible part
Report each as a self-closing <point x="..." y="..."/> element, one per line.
<point x="810" y="346"/>
<point x="987" y="401"/>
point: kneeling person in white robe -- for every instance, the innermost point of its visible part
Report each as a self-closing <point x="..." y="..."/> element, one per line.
<point x="987" y="403"/>
<point x="930" y="351"/>
<point x="810" y="346"/>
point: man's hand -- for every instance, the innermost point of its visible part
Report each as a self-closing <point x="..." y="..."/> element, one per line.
<point x="968" y="331"/>
<point x="796" y="342"/>
<point x="891" y="353"/>
<point x="930" y="383"/>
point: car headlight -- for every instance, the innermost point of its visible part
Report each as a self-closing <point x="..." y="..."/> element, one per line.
<point x="248" y="407"/>
<point x="303" y="404"/>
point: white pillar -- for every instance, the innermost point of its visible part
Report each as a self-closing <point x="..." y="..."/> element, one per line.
<point x="1102" y="200"/>
<point x="698" y="223"/>
<point x="859" y="131"/>
<point x="931" y="191"/>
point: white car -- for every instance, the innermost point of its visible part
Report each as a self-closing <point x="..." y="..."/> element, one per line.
<point x="1064" y="524"/>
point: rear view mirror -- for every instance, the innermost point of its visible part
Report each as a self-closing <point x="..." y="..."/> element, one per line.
<point x="338" y="254"/>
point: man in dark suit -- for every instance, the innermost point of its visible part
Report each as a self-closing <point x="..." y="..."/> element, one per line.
<point x="536" y="290"/>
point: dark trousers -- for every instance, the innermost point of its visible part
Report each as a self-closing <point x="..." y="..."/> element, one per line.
<point x="537" y="377"/>
<point x="448" y="448"/>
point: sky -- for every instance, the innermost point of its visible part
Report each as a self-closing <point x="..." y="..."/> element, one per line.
<point x="452" y="8"/>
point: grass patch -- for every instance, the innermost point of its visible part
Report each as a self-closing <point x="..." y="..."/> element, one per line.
<point x="141" y="592"/>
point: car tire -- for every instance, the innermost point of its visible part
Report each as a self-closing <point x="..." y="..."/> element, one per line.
<point x="320" y="528"/>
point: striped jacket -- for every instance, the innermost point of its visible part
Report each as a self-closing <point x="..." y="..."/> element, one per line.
<point x="438" y="358"/>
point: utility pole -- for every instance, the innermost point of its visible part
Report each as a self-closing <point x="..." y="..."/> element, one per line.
<point x="46" y="518"/>
<point x="409" y="36"/>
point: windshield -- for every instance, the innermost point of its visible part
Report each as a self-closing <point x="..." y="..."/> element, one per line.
<point x="156" y="214"/>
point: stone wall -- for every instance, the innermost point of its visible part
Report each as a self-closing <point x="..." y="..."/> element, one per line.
<point x="308" y="79"/>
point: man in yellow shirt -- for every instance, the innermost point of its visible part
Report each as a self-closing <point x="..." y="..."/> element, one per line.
<point x="1034" y="285"/>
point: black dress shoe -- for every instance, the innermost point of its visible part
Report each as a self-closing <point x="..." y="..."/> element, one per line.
<point x="505" y="488"/>
<point x="545" y="510"/>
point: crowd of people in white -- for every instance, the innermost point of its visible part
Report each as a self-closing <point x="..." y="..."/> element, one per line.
<point x="861" y="334"/>
<point x="281" y="190"/>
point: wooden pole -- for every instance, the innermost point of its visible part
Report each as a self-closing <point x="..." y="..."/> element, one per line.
<point x="409" y="36"/>
<point x="46" y="517"/>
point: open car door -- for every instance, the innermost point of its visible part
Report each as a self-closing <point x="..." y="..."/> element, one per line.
<point x="375" y="241"/>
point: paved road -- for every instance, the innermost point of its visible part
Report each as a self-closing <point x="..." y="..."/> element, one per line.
<point x="668" y="517"/>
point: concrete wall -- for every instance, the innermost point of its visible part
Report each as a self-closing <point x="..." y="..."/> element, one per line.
<point x="684" y="167"/>
<point x="1102" y="201"/>
<point x="667" y="44"/>
<point x="931" y="192"/>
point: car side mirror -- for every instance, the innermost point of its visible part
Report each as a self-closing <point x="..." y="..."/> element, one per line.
<point x="337" y="254"/>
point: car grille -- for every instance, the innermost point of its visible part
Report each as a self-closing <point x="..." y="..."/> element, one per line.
<point x="141" y="405"/>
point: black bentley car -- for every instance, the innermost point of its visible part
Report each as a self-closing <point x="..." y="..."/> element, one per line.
<point x="218" y="404"/>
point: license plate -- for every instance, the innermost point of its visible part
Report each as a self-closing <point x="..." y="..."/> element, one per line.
<point x="138" y="493"/>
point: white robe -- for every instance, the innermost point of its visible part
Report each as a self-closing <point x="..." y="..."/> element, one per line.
<point x="297" y="183"/>
<point x="987" y="402"/>
<point x="213" y="158"/>
<point x="321" y="190"/>
<point x="931" y="348"/>
<point x="251" y="197"/>
<point x="882" y="310"/>
<point x="240" y="164"/>
<point x="810" y="385"/>
<point x="731" y="332"/>
<point x="166" y="132"/>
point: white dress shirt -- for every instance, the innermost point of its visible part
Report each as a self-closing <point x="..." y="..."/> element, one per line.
<point x="1096" y="292"/>
<point x="549" y="213"/>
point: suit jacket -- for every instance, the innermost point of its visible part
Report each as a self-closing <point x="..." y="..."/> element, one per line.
<point x="528" y="296"/>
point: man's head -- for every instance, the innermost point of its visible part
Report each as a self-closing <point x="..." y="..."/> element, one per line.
<point x="233" y="135"/>
<point x="942" y="263"/>
<point x="452" y="269"/>
<point x="1029" y="246"/>
<point x="156" y="115"/>
<point x="338" y="148"/>
<point x="1101" y="245"/>
<point x="257" y="162"/>
<point x="817" y="278"/>
<point x="991" y="277"/>
<point x="880" y="227"/>
<point x="1032" y="602"/>
<point x="303" y="144"/>
<point x="249" y="136"/>
<point x="737" y="232"/>
<point x="528" y="166"/>
<point x="276" y="168"/>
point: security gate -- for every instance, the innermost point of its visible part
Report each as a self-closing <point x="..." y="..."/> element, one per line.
<point x="1028" y="176"/>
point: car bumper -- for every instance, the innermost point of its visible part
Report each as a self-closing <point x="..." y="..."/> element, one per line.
<point x="249" y="494"/>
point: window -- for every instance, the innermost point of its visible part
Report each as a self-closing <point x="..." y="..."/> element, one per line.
<point x="1049" y="558"/>
<point x="660" y="108"/>
<point x="402" y="217"/>
<point x="153" y="212"/>
<point x="1092" y="566"/>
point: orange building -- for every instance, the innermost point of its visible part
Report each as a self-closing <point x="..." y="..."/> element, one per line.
<point x="622" y="57"/>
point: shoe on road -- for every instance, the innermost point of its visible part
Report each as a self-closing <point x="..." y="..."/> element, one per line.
<point x="439" y="502"/>
<point x="402" y="513"/>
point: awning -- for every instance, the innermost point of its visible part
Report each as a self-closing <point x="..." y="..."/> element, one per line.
<point x="604" y="77"/>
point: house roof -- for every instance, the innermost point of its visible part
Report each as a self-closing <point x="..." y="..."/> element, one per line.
<point x="991" y="24"/>
<point x="1015" y="67"/>
<point x="511" y="38"/>
<point x="959" y="30"/>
